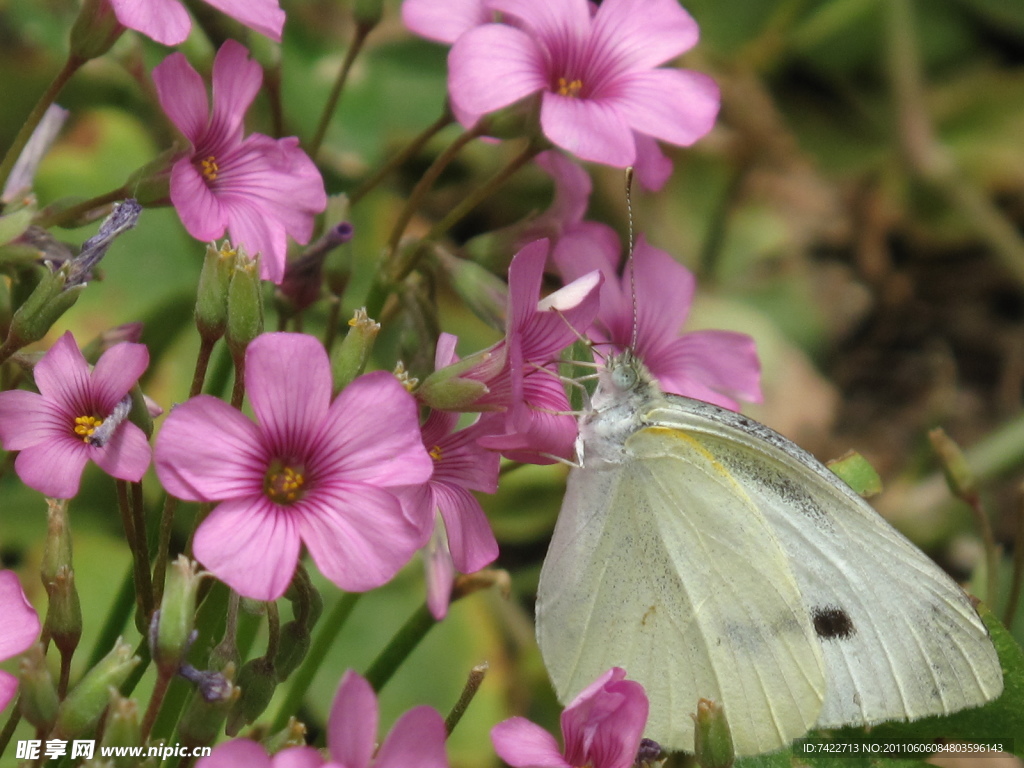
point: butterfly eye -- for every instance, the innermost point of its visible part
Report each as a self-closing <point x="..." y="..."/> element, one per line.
<point x="624" y="377"/>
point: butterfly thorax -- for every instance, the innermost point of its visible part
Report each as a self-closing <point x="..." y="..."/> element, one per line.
<point x="625" y="389"/>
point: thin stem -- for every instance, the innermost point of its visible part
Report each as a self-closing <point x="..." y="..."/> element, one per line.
<point x="163" y="547"/>
<point x="72" y="215"/>
<point x="322" y="642"/>
<point x="1018" y="564"/>
<point x="202" y="365"/>
<point x="163" y="681"/>
<point x="401" y="645"/>
<point x="476" y="677"/>
<point x="399" y="159"/>
<point x="991" y="550"/>
<point x="38" y="111"/>
<point x="138" y="507"/>
<point x="358" y="39"/>
<point x="424" y="185"/>
<point x="142" y="597"/>
<point x="10" y="726"/>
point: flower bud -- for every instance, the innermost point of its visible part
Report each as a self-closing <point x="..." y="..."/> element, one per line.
<point x="712" y="738"/>
<point x="245" y="305"/>
<point x="257" y="679"/>
<point x="122" y="727"/>
<point x="131" y="332"/>
<point x="64" y="611"/>
<point x="203" y="719"/>
<point x="294" y="645"/>
<point x="212" y="296"/>
<point x="39" y="700"/>
<point x="349" y="358"/>
<point x="51" y="298"/>
<point x="84" y="705"/>
<point x="368" y="13"/>
<point x="95" y="30"/>
<point x="482" y="291"/>
<point x="292" y="735"/>
<point x="151" y="184"/>
<point x="457" y="387"/>
<point x="176" y="617"/>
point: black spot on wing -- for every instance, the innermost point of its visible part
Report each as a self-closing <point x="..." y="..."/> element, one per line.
<point x="832" y="623"/>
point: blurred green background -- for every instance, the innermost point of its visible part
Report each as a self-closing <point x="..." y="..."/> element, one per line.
<point x="857" y="209"/>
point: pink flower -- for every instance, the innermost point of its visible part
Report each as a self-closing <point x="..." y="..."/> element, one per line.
<point x="167" y="21"/>
<point x="462" y="537"/>
<point x="18" y="630"/>
<point x="444" y="22"/>
<point x="258" y="188"/>
<point x="719" y="367"/>
<point x="77" y="416"/>
<point x="601" y="728"/>
<point x="597" y="74"/>
<point x="416" y="739"/>
<point x="309" y="472"/>
<point x="528" y="385"/>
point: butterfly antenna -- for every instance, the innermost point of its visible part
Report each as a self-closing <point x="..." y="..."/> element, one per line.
<point x="629" y="255"/>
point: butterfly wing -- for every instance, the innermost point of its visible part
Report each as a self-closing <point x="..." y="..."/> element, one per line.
<point x="900" y="639"/>
<point x="663" y="565"/>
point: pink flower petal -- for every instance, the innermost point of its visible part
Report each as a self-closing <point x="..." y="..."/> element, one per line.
<point x="199" y="209"/>
<point x="440" y="572"/>
<point x="236" y="81"/>
<point x="126" y="456"/>
<point x="352" y="723"/>
<point x="594" y="130"/>
<point x="296" y="757"/>
<point x="232" y="754"/>
<point x="8" y="688"/>
<point x="664" y="293"/>
<point x="62" y="375"/>
<point x="208" y="451"/>
<point x="26" y="419"/>
<point x="53" y="468"/>
<point x="674" y="105"/>
<point x="719" y="367"/>
<point x="20" y="625"/>
<point x="116" y="372"/>
<point x="265" y="16"/>
<point x="166" y="21"/>
<point x="490" y="55"/>
<point x="181" y="91"/>
<point x="357" y="535"/>
<point x="641" y="34"/>
<point x="523" y="744"/>
<point x="444" y="22"/>
<point x="288" y="379"/>
<point x="604" y="723"/>
<point x="417" y="738"/>
<point x="572" y="188"/>
<point x="652" y="166"/>
<point x="471" y="541"/>
<point x="554" y="23"/>
<point x="251" y="544"/>
<point x="373" y="432"/>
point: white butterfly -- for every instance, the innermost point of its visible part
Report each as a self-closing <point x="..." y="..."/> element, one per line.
<point x="712" y="558"/>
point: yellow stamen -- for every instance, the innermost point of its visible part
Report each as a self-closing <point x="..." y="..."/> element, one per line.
<point x="85" y="426"/>
<point x="569" y="88"/>
<point x="435" y="453"/>
<point x="284" y="485"/>
<point x="209" y="168"/>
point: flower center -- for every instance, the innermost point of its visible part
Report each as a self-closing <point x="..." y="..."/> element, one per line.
<point x="284" y="483"/>
<point x="570" y="88"/>
<point x="85" y="426"/>
<point x="209" y="168"/>
<point x="435" y="453"/>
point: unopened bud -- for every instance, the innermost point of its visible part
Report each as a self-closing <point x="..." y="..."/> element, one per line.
<point x="245" y="305"/>
<point x="459" y="386"/>
<point x="712" y="738"/>
<point x="209" y="705"/>
<point x="176" y="616"/>
<point x="51" y="298"/>
<point x="95" y="30"/>
<point x="84" y="705"/>
<point x="294" y="645"/>
<point x="39" y="700"/>
<point x="480" y="289"/>
<point x="123" y="728"/>
<point x="131" y="332"/>
<point x="368" y="13"/>
<point x="212" y="296"/>
<point x="257" y="679"/>
<point x="349" y="358"/>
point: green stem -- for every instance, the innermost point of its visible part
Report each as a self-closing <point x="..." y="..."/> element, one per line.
<point x="49" y="96"/>
<point x="202" y="365"/>
<point x="398" y="160"/>
<point x="476" y="677"/>
<point x="322" y="642"/>
<point x="361" y="33"/>
<point x="9" y="727"/>
<point x="401" y="645"/>
<point x="142" y="599"/>
<point x="117" y="617"/>
<point x="163" y="547"/>
<point x="95" y="207"/>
